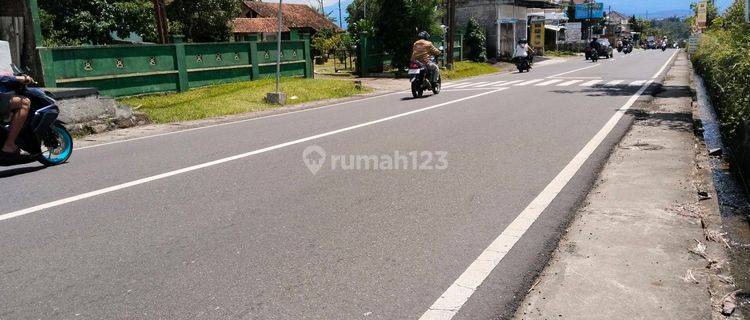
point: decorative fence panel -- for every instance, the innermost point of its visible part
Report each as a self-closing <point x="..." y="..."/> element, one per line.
<point x="124" y="70"/>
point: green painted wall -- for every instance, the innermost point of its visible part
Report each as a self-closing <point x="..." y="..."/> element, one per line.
<point x="123" y="70"/>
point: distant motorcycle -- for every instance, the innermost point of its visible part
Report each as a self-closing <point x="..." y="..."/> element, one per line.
<point x="663" y="47"/>
<point x="628" y="49"/>
<point x="420" y="79"/>
<point x="523" y="64"/>
<point x="43" y="136"/>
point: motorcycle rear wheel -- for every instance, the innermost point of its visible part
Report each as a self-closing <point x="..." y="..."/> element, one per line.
<point x="416" y="90"/>
<point x="61" y="154"/>
<point x="437" y="85"/>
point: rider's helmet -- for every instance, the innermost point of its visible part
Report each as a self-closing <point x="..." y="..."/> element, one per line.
<point x="424" y="35"/>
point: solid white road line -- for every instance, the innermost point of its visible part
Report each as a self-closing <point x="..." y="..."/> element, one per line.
<point x="479" y="83"/>
<point x="664" y="66"/>
<point x="508" y="83"/>
<point x="549" y="82"/>
<point x="590" y="83"/>
<point x="463" y="85"/>
<point x="637" y="83"/>
<point x="492" y="83"/>
<point x="567" y="83"/>
<point x="94" y="193"/>
<point x="466" y="89"/>
<point x="450" y="84"/>
<point x="614" y="83"/>
<point x="579" y="77"/>
<point x="237" y="121"/>
<point x="451" y="301"/>
<point x="525" y="83"/>
<point x="576" y="70"/>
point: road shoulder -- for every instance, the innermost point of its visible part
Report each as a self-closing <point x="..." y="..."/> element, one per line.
<point x="643" y="245"/>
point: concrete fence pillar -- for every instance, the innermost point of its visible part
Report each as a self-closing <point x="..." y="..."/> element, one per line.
<point x="308" y="60"/>
<point x="253" y="59"/>
<point x="179" y="55"/>
<point x="362" y="54"/>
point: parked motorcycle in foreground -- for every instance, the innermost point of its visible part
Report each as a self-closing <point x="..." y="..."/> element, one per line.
<point x="43" y="136"/>
<point x="419" y="78"/>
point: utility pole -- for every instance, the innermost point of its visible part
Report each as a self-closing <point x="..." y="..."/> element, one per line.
<point x="162" y="30"/>
<point x="278" y="51"/>
<point x="451" y="32"/>
<point x="277" y="97"/>
<point x="341" y="25"/>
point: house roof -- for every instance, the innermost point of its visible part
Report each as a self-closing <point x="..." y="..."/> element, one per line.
<point x="256" y="25"/>
<point x="295" y="16"/>
<point x="615" y="15"/>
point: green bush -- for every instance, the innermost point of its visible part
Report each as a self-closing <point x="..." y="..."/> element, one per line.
<point x="723" y="59"/>
<point x="476" y="40"/>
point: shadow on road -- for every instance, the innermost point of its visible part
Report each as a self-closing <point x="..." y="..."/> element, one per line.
<point x="16" y="171"/>
<point x="619" y="91"/>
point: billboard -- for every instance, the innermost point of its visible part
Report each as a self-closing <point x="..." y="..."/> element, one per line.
<point x="537" y="33"/>
<point x="593" y="10"/>
<point x="573" y="32"/>
<point x="701" y="17"/>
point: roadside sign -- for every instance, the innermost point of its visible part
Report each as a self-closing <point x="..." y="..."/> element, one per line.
<point x="573" y="32"/>
<point x="701" y="18"/>
<point x="591" y="10"/>
<point x="537" y="33"/>
<point x="693" y="43"/>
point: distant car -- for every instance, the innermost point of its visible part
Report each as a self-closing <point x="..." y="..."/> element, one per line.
<point x="651" y="45"/>
<point x="605" y="50"/>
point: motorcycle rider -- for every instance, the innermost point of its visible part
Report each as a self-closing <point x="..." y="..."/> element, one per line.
<point x="17" y="107"/>
<point x="523" y="51"/>
<point x="423" y="50"/>
<point x="595" y="46"/>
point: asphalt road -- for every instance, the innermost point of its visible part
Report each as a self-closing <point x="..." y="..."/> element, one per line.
<point x="228" y="222"/>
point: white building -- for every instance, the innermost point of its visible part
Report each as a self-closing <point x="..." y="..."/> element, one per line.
<point x="505" y="21"/>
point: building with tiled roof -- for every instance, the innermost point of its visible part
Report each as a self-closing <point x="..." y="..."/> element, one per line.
<point x="259" y="20"/>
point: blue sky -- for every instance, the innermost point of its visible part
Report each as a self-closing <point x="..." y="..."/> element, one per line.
<point x="640" y="7"/>
<point x="655" y="8"/>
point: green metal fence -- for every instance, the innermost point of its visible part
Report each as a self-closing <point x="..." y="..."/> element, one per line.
<point x="124" y="70"/>
<point x="372" y="57"/>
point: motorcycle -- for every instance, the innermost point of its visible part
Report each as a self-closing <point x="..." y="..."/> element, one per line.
<point x="420" y="79"/>
<point x="628" y="49"/>
<point x="43" y="136"/>
<point x="594" y="56"/>
<point x="664" y="47"/>
<point x="523" y="64"/>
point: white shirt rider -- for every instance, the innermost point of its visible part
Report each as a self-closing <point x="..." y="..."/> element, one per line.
<point x="522" y="50"/>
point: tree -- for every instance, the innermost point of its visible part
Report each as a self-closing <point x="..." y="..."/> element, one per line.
<point x="74" y="22"/>
<point x="394" y="29"/>
<point x="476" y="40"/>
<point x="203" y="20"/>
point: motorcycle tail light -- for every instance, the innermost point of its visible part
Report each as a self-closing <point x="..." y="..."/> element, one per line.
<point x="413" y="65"/>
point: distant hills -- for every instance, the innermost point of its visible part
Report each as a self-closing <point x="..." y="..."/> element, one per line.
<point x="682" y="13"/>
